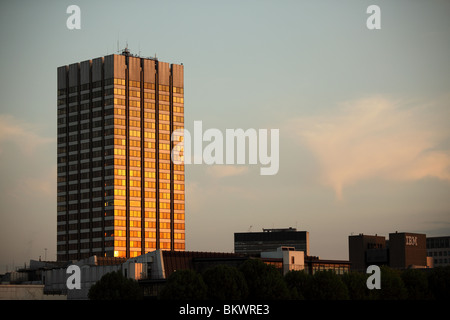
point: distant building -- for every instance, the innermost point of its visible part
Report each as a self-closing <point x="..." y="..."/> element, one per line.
<point x="287" y="257"/>
<point x="402" y="250"/>
<point x="92" y="270"/>
<point x="438" y="249"/>
<point x="47" y="280"/>
<point x="26" y="292"/>
<point x="253" y="243"/>
<point x="365" y="250"/>
<point x="314" y="264"/>
<point x="151" y="270"/>
<point x="407" y="250"/>
<point x="158" y="265"/>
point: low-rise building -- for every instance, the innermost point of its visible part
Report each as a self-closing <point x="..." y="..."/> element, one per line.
<point x="438" y="250"/>
<point x="402" y="250"/>
<point x="289" y="258"/>
<point x="253" y="243"/>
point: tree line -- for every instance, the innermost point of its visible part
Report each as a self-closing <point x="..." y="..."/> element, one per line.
<point x="255" y="280"/>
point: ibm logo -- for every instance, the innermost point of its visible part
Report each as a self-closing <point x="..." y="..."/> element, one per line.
<point x="411" y="241"/>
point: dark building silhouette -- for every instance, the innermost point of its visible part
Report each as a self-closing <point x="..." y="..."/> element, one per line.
<point x="253" y="243"/>
<point x="402" y="250"/>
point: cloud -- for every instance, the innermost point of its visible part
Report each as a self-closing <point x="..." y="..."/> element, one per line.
<point x="377" y="138"/>
<point x="41" y="185"/>
<point x="222" y="171"/>
<point x="21" y="134"/>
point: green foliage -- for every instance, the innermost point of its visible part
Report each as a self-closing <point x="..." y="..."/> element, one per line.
<point x="416" y="284"/>
<point x="225" y="283"/>
<point x="264" y="281"/>
<point x="257" y="280"/>
<point x="114" y="286"/>
<point x="297" y="282"/>
<point x="326" y="285"/>
<point x="356" y="285"/>
<point x="392" y="286"/>
<point x="439" y="283"/>
<point x="184" y="285"/>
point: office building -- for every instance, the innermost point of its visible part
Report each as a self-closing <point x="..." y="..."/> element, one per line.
<point x="407" y="250"/>
<point x="365" y="250"/>
<point x="438" y="249"/>
<point x="119" y="193"/>
<point x="402" y="250"/>
<point x="253" y="243"/>
<point x="314" y="264"/>
<point x="285" y="258"/>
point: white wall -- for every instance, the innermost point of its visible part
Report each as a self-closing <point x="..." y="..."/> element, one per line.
<point x="287" y="256"/>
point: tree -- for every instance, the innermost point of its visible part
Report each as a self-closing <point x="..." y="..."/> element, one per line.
<point x="327" y="285"/>
<point x="263" y="281"/>
<point x="297" y="282"/>
<point x="356" y="285"/>
<point x="225" y="283"/>
<point x="439" y="283"/>
<point x="114" y="286"/>
<point x="392" y="286"/>
<point x="184" y="285"/>
<point x="416" y="284"/>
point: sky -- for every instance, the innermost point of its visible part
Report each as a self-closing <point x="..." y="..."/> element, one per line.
<point x="363" y="114"/>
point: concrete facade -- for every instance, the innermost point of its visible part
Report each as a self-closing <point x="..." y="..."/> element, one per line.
<point x="292" y="259"/>
<point x="438" y="251"/>
<point x="55" y="280"/>
<point x="26" y="292"/>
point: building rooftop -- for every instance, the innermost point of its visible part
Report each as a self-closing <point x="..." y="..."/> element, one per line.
<point x="127" y="53"/>
<point x="182" y="260"/>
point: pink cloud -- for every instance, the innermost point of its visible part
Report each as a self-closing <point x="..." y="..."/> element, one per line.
<point x="22" y="134"/>
<point x="377" y="138"/>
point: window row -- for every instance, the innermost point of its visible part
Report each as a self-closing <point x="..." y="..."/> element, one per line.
<point x="176" y="186"/>
<point x="178" y="90"/>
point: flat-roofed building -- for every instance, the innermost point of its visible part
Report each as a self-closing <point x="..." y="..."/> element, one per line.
<point x="365" y="250"/>
<point x="438" y="249"/>
<point x="118" y="192"/>
<point x="402" y="250"/>
<point x="407" y="250"/>
<point x="253" y="243"/>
